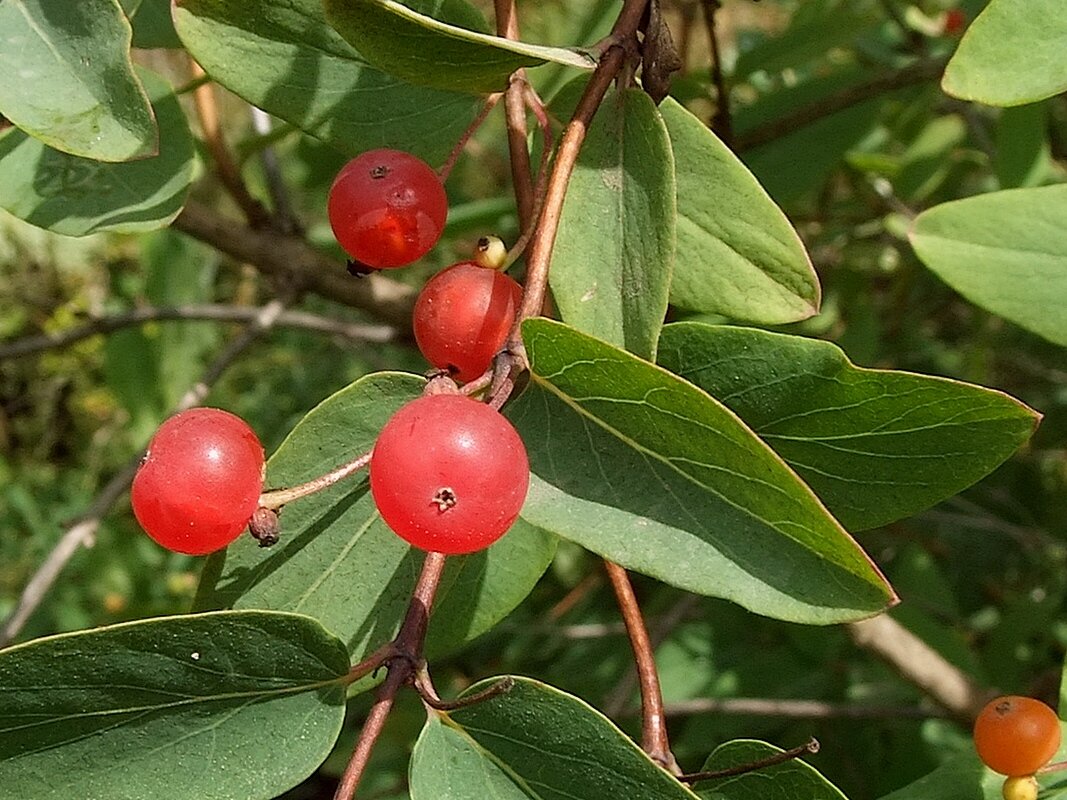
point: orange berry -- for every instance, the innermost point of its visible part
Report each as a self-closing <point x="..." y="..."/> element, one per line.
<point x="1016" y="736"/>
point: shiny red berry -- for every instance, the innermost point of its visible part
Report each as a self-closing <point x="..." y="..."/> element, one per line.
<point x="449" y="474"/>
<point x="462" y="318"/>
<point x="200" y="481"/>
<point x="387" y="208"/>
<point x="1016" y="736"/>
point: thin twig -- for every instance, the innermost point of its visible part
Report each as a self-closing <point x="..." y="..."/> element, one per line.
<point x="917" y="662"/>
<point x="294" y="261"/>
<point x="721" y="118"/>
<point x="353" y="331"/>
<point x="405" y="659"/>
<point x="808" y="748"/>
<point x="793" y="709"/>
<point x="284" y="216"/>
<point x="507" y="25"/>
<point x="919" y="72"/>
<point x="446" y="168"/>
<point x="654" y="740"/>
<point x="81" y="532"/>
<point x="225" y="166"/>
<point x="276" y="498"/>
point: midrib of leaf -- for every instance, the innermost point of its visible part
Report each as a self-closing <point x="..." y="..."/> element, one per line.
<point x="326" y="573"/>
<point x="41" y="34"/>
<point x="463" y="730"/>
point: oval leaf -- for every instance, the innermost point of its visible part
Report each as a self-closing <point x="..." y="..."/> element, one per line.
<point x="737" y="254"/>
<point x="647" y="470"/>
<point x="69" y="80"/>
<point x="205" y="707"/>
<point x="875" y="445"/>
<point x="338" y="562"/>
<point x="78" y="196"/>
<point x="285" y="59"/>
<point x="1011" y="54"/>
<point x="428" y="52"/>
<point x="611" y="264"/>
<point x="533" y="741"/>
<point x="1004" y="251"/>
<point x="788" y="781"/>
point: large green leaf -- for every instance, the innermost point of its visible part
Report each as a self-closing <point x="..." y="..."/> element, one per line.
<point x="338" y="562"/>
<point x="204" y="707"/>
<point x="1004" y="251"/>
<point x="875" y="445"/>
<point x="1011" y="54"/>
<point x="285" y="58"/>
<point x="77" y="196"/>
<point x="69" y="81"/>
<point x="640" y="466"/>
<point x="533" y="742"/>
<point x="793" y="779"/>
<point x="737" y="254"/>
<point x="426" y="51"/>
<point x="611" y="264"/>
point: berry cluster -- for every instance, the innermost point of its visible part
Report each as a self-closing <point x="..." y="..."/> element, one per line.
<point x="1016" y="736"/>
<point x="448" y="473"/>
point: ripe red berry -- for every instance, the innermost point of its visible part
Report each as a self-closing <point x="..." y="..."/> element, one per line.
<point x="462" y="318"/>
<point x="387" y="208"/>
<point x="1016" y="736"/>
<point x="449" y="474"/>
<point x="199" y="482"/>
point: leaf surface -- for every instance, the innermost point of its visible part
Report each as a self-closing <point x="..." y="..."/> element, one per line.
<point x="286" y="59"/>
<point x="533" y="742"/>
<point x="647" y="470"/>
<point x="338" y="562"/>
<point x="426" y="51"/>
<point x="611" y="264"/>
<point x="1011" y="54"/>
<point x="204" y="707"/>
<point x="737" y="254"/>
<point x="875" y="445"/>
<point x="1004" y="251"/>
<point x="77" y="196"/>
<point x="69" y="81"/>
<point x="788" y="781"/>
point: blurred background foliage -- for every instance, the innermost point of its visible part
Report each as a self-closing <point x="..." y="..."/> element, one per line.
<point x="981" y="575"/>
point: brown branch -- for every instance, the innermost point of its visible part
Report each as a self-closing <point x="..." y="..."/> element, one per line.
<point x="285" y="219"/>
<point x="809" y="747"/>
<point x="915" y="73"/>
<point x="354" y="331"/>
<point x="225" y="166"/>
<point x="402" y="664"/>
<point x="276" y="498"/>
<point x="654" y="740"/>
<point x="721" y="118"/>
<point x="539" y="254"/>
<point x="292" y="260"/>
<point x="920" y="664"/>
<point x="446" y="169"/>
<point x="507" y="25"/>
<point x="81" y="532"/>
<point x="794" y="709"/>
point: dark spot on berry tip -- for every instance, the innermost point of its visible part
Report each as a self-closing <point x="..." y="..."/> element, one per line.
<point x="483" y="243"/>
<point x="358" y="269"/>
<point x="444" y="498"/>
<point x="379" y="172"/>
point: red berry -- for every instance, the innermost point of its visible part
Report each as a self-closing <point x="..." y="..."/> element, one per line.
<point x="387" y="208"/>
<point x="1016" y="736"/>
<point x="463" y="316"/>
<point x="449" y="474"/>
<point x="199" y="482"/>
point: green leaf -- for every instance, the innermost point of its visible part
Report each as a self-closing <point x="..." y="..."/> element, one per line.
<point x="875" y="445"/>
<point x="737" y="254"/>
<point x="1023" y="154"/>
<point x="205" y="707"/>
<point x="69" y="81"/>
<point x="153" y="25"/>
<point x="338" y="562"/>
<point x="611" y="264"/>
<point x="78" y="196"/>
<point x="647" y="470"/>
<point x="961" y="777"/>
<point x="793" y="779"/>
<point x="533" y="741"/>
<point x="426" y="51"/>
<point x="285" y="59"/>
<point x="1004" y="251"/>
<point x="1011" y="54"/>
